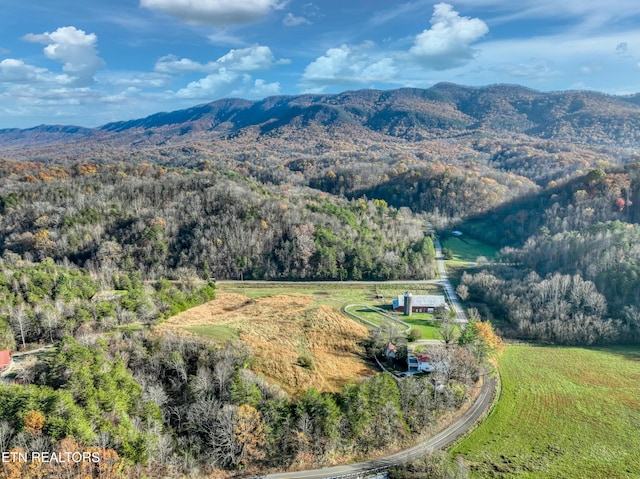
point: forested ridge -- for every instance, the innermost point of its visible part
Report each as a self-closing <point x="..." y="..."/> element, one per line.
<point x="106" y="232"/>
<point x="97" y="246"/>
<point x="444" y="110"/>
<point x="569" y="269"/>
<point x="181" y="223"/>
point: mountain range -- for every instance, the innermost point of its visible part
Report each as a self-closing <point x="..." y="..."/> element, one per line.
<point x="444" y="112"/>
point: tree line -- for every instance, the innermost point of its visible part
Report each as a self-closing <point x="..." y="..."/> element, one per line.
<point x="44" y="302"/>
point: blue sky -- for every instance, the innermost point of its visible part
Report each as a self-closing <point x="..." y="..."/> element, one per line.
<point x="91" y="62"/>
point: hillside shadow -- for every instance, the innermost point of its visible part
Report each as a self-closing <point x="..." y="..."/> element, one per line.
<point x="629" y="352"/>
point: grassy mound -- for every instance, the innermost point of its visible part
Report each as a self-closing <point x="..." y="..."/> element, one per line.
<point x="296" y="342"/>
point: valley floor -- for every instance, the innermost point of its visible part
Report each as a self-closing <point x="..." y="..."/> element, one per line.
<point x="564" y="412"/>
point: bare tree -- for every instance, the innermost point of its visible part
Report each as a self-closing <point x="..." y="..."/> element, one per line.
<point x="19" y="321"/>
<point x="202" y="415"/>
<point x="203" y="384"/>
<point x="156" y="394"/>
<point x="163" y="447"/>
<point x="463" y="291"/>
<point x="6" y="434"/>
<point x="224" y="370"/>
<point x="225" y="448"/>
<point x="176" y="362"/>
<point x="103" y="440"/>
<point x="447" y="330"/>
<point x="49" y="318"/>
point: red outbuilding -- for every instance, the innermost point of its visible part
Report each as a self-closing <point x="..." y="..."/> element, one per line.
<point x="5" y="358"/>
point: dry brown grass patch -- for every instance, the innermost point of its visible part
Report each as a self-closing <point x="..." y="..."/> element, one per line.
<point x="281" y="330"/>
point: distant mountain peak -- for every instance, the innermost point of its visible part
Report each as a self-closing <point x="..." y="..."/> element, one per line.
<point x="442" y="111"/>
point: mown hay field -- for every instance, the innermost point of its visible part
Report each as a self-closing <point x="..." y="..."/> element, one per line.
<point x="563" y="413"/>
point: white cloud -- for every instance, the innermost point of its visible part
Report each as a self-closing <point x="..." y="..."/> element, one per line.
<point x="261" y="88"/>
<point x="138" y="80"/>
<point x="255" y="58"/>
<point x="226" y="73"/>
<point x="534" y="69"/>
<point x="447" y="44"/>
<point x="209" y="86"/>
<point x="256" y="89"/>
<point x="17" y="71"/>
<point x="33" y="91"/>
<point x="290" y="20"/>
<point x="75" y="49"/>
<point x="18" y="75"/>
<point x="172" y="64"/>
<point x="348" y="65"/>
<point x="223" y="37"/>
<point x="215" y="12"/>
<point x="32" y="96"/>
<point x="126" y="96"/>
<point x="228" y="83"/>
<point x="334" y="64"/>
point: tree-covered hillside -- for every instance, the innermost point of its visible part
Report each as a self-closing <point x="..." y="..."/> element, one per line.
<point x="179" y="223"/>
<point x="569" y="268"/>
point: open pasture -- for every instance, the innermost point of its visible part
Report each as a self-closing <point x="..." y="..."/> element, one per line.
<point x="466" y="249"/>
<point x="564" y="412"/>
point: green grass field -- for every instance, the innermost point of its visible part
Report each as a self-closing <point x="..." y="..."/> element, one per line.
<point x="217" y="332"/>
<point x="421" y="321"/>
<point x="369" y="315"/>
<point x="564" y="413"/>
<point x="466" y="249"/>
<point x="425" y="323"/>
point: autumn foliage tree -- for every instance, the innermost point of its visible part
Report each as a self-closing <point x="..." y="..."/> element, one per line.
<point x="490" y="340"/>
<point x="14" y="469"/>
<point x="34" y="422"/>
<point x="249" y="433"/>
<point x="481" y="338"/>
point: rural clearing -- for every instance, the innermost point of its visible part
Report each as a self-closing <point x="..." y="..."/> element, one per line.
<point x="293" y="341"/>
<point x="298" y="335"/>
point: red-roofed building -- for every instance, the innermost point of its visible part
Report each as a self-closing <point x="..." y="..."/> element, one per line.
<point x="390" y="350"/>
<point x="5" y="358"/>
